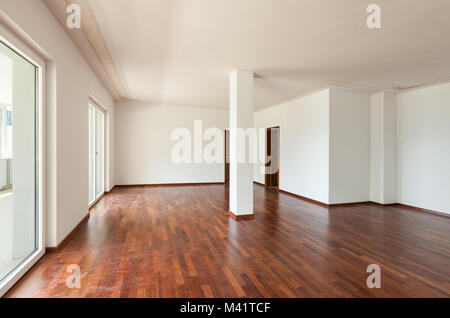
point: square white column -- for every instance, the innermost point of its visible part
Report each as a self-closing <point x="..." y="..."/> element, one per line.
<point x="241" y="118"/>
<point x="383" y="179"/>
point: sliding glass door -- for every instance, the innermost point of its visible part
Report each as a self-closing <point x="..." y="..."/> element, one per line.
<point x="19" y="217"/>
<point x="96" y="153"/>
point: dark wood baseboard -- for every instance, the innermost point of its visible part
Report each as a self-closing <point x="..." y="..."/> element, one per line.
<point x="296" y="195"/>
<point x="168" y="184"/>
<point x="98" y="199"/>
<point x="382" y="204"/>
<point x="400" y="205"/>
<point x="336" y="205"/>
<point x="50" y="249"/>
<point x="305" y="198"/>
<point x="108" y="191"/>
<point x="241" y="217"/>
<point x="112" y="189"/>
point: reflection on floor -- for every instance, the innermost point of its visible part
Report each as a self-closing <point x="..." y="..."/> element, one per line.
<point x="6" y="231"/>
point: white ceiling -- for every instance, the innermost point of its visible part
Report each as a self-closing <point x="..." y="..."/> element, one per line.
<point x="181" y="51"/>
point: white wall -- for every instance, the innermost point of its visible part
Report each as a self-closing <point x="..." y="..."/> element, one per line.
<point x="424" y="148"/>
<point x="383" y="148"/>
<point x="349" y="146"/>
<point x="71" y="82"/>
<point x="143" y="143"/>
<point x="304" y="144"/>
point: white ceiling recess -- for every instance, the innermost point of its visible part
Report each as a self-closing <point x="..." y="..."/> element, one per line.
<point x="182" y="51"/>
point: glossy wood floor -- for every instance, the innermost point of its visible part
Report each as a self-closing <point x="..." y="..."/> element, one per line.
<point x="179" y="242"/>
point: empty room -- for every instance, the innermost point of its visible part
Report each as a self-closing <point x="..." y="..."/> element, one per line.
<point x="224" y="149"/>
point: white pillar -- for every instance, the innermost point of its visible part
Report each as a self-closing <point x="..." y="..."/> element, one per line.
<point x="241" y="117"/>
<point x="383" y="184"/>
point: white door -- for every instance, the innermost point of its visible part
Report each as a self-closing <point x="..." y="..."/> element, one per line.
<point x="96" y="154"/>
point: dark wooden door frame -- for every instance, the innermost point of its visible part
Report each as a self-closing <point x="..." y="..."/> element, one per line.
<point x="278" y="157"/>
<point x="226" y="156"/>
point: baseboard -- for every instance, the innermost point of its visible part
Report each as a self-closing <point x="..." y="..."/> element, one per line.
<point x="168" y="184"/>
<point x="259" y="183"/>
<point x="97" y="200"/>
<point x="400" y="205"/>
<point x="335" y="205"/>
<point x="362" y="202"/>
<point x="382" y="204"/>
<point x="108" y="191"/>
<point x="70" y="235"/>
<point x="241" y="217"/>
<point x="296" y="195"/>
<point x="326" y="205"/>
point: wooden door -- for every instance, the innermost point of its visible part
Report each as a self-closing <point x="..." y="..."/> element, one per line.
<point x="227" y="156"/>
<point x="272" y="175"/>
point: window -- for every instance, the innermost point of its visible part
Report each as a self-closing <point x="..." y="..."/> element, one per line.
<point x="21" y="236"/>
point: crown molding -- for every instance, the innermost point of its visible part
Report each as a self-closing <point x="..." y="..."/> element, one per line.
<point x="160" y="103"/>
<point x="331" y="84"/>
<point x="91" y="44"/>
<point x="404" y="89"/>
<point x="319" y="87"/>
<point x="91" y="30"/>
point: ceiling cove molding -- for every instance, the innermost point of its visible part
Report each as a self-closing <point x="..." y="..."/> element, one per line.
<point x="318" y="87"/>
<point x="305" y="92"/>
<point x="94" y="35"/>
<point x="158" y="103"/>
<point x="352" y="87"/>
<point x="403" y="89"/>
<point x="90" y="43"/>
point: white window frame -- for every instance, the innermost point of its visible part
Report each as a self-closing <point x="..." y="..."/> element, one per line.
<point x="11" y="40"/>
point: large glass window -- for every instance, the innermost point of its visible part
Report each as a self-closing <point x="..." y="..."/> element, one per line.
<point x="18" y="199"/>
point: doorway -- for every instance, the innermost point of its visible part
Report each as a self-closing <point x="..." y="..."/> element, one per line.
<point x="272" y="170"/>
<point x="96" y="153"/>
<point x="227" y="156"/>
